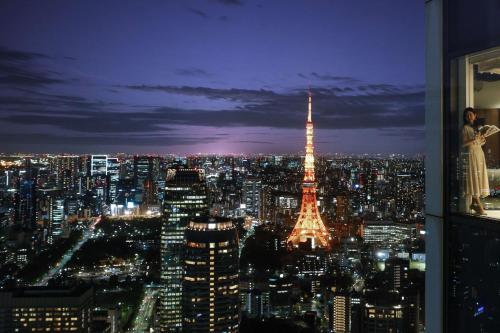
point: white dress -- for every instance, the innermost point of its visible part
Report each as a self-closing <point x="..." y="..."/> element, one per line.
<point x="475" y="172"/>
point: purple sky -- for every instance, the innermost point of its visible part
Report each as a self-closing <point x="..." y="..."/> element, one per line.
<point x="208" y="76"/>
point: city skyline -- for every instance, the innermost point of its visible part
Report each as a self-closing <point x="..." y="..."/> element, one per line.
<point x="211" y="77"/>
<point x="250" y="166"/>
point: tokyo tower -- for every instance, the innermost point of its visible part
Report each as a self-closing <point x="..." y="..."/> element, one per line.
<point x="309" y="226"/>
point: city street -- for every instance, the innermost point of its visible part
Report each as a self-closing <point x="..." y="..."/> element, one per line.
<point x="143" y="319"/>
<point x="67" y="256"/>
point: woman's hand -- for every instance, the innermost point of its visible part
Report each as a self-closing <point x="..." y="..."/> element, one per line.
<point x="480" y="139"/>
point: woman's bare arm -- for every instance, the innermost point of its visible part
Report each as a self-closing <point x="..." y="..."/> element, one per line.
<point x="478" y="139"/>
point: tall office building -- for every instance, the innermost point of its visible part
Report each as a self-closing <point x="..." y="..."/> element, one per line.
<point x="356" y="313"/>
<point x="309" y="226"/>
<point x="387" y="232"/>
<point x="185" y="199"/>
<point x="99" y="185"/>
<point x="25" y="199"/>
<point x="462" y="70"/>
<point x="66" y="171"/>
<point x="251" y="196"/>
<point x="143" y="169"/>
<point x="389" y="311"/>
<point x="280" y="295"/>
<point x="257" y="303"/>
<point x="43" y="309"/>
<point x="398" y="272"/>
<point x="114" y="178"/>
<point x="404" y="198"/>
<point x="342" y="208"/>
<point x="383" y="312"/>
<point x="340" y="313"/>
<point x="98" y="165"/>
<point x="210" y="290"/>
<point x="56" y="218"/>
<point x="25" y="212"/>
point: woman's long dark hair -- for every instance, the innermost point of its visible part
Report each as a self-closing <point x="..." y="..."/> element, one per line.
<point x="464" y="116"/>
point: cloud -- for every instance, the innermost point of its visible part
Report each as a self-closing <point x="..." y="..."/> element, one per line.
<point x="197" y="72"/>
<point x="45" y="102"/>
<point x="90" y="122"/>
<point x="16" y="55"/>
<point x="417" y="133"/>
<point x="230" y="2"/>
<point x="197" y="12"/>
<point x="257" y="108"/>
<point x="14" y="75"/>
<point x="223" y="18"/>
<point x="19" y="69"/>
<point x="340" y="102"/>
<point x="255" y="142"/>
<point x="233" y="94"/>
<point x="382" y="106"/>
<point x="327" y="77"/>
<point x="27" y="80"/>
<point x="14" y="140"/>
<point x="374" y="106"/>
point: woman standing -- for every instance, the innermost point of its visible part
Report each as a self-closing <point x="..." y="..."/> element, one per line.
<point x="475" y="173"/>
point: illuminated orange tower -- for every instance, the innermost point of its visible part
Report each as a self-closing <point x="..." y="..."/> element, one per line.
<point x="309" y="226"/>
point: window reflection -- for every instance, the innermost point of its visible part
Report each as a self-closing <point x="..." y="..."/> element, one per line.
<point x="474" y="282"/>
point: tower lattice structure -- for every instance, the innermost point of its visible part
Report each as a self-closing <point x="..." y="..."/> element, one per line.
<point x="309" y="225"/>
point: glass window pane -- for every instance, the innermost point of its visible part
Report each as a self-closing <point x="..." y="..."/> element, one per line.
<point x="475" y="120"/>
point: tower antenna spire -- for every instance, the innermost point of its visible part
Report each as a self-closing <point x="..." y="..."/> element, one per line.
<point x="309" y="108"/>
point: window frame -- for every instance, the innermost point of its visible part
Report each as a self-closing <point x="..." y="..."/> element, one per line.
<point x="451" y="107"/>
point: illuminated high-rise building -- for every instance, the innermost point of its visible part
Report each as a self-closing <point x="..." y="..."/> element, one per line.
<point x="56" y="218"/>
<point x="309" y="227"/>
<point x="342" y="208"/>
<point x="143" y="169"/>
<point x="43" y="309"/>
<point x="114" y="178"/>
<point x="339" y="313"/>
<point x="387" y="232"/>
<point x="98" y="165"/>
<point x="210" y="286"/>
<point x="383" y="312"/>
<point x="185" y="199"/>
<point x="280" y="294"/>
<point x="398" y="271"/>
<point x="66" y="171"/>
<point x="25" y="199"/>
<point x="251" y="196"/>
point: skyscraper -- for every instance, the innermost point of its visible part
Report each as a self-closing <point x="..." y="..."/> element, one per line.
<point x="143" y="169"/>
<point x="185" y="199"/>
<point x="340" y="313"/>
<point x="462" y="70"/>
<point x="114" y="178"/>
<point x="98" y="165"/>
<point x="56" y="218"/>
<point x="280" y="294"/>
<point x="44" y="309"/>
<point x="210" y="288"/>
<point x="25" y="213"/>
<point x="383" y="312"/>
<point x="251" y="196"/>
<point x="309" y="226"/>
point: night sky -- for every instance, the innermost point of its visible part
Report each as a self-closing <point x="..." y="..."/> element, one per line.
<point x="206" y="76"/>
